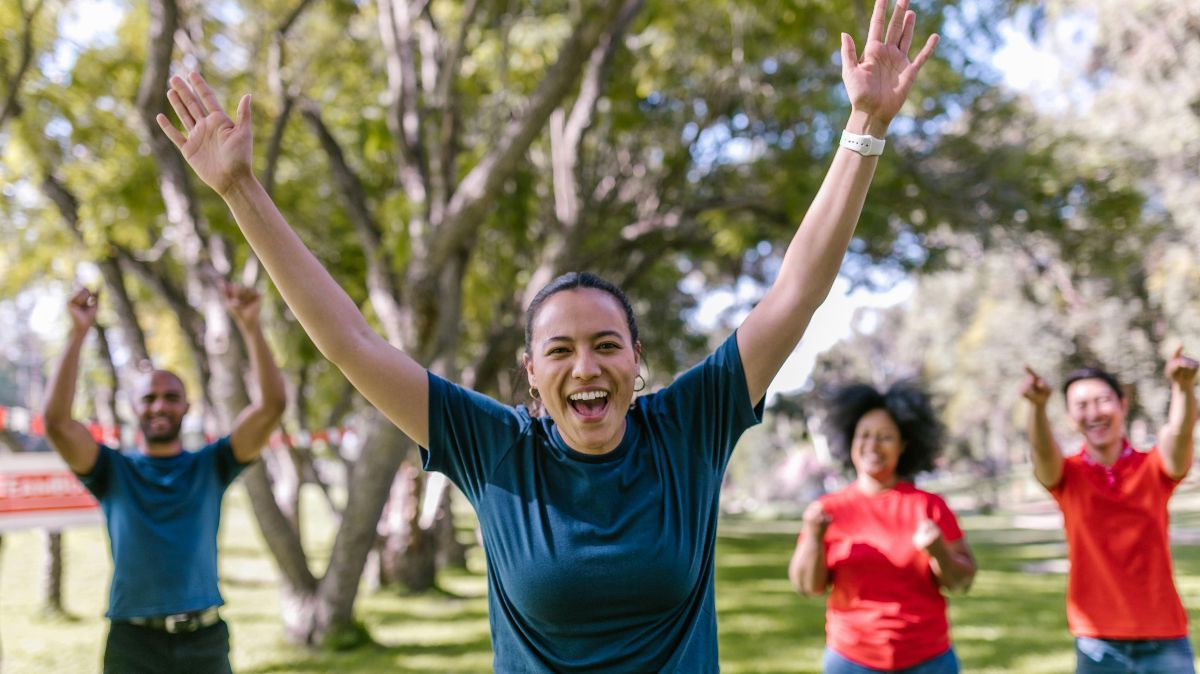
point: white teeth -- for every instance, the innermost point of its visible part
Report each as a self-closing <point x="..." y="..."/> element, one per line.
<point x="589" y="395"/>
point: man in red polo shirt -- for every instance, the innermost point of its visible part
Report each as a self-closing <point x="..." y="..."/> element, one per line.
<point x="1122" y="605"/>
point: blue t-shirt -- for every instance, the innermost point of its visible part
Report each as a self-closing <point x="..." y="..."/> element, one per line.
<point x="599" y="563"/>
<point x="162" y="515"/>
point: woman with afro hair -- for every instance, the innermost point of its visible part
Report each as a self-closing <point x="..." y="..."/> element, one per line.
<point x="884" y="548"/>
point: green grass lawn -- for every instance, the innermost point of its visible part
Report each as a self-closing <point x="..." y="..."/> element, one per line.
<point x="1011" y="622"/>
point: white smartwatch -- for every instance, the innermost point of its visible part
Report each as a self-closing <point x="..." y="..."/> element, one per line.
<point x="867" y="146"/>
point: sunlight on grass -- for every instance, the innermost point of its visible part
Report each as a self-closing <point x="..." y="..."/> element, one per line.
<point x="1012" y="622"/>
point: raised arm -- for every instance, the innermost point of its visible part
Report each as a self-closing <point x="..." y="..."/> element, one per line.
<point x="219" y="150"/>
<point x="877" y="86"/>
<point x="67" y="436"/>
<point x="807" y="570"/>
<point x="255" y="424"/>
<point x="1046" y="454"/>
<point x="1175" y="438"/>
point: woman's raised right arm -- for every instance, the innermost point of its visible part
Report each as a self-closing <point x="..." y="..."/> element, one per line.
<point x="219" y="150"/>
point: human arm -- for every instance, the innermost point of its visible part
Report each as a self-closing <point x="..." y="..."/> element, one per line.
<point x="254" y="424"/>
<point x="1046" y="455"/>
<point x="1175" y="438"/>
<point x="807" y="570"/>
<point x="877" y="87"/>
<point x="219" y="150"/>
<point x="67" y="436"/>
<point x="951" y="561"/>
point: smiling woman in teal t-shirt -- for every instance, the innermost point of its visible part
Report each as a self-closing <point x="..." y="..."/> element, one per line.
<point x="598" y="517"/>
<point x="599" y="562"/>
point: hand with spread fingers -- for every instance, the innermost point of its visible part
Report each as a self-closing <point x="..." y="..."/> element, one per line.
<point x="878" y="83"/>
<point x="219" y="149"/>
<point x="1035" y="389"/>
<point x="1181" y="370"/>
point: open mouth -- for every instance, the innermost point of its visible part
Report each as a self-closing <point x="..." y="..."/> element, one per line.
<point x="590" y="405"/>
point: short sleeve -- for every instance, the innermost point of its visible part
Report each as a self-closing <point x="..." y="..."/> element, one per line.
<point x="941" y="514"/>
<point x="469" y="434"/>
<point x="710" y="404"/>
<point x="97" y="479"/>
<point x="1168" y="483"/>
<point x="1065" y="479"/>
<point x="224" y="461"/>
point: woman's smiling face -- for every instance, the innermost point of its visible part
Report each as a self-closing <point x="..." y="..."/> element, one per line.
<point x="877" y="445"/>
<point x="583" y="362"/>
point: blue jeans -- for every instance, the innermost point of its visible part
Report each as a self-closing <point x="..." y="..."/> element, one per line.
<point x="1118" y="656"/>
<point x="946" y="663"/>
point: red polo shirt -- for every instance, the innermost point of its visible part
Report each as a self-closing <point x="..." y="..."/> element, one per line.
<point x="1120" y="585"/>
<point x="885" y="609"/>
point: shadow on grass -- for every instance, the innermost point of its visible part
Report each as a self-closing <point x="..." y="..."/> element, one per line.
<point x="470" y="656"/>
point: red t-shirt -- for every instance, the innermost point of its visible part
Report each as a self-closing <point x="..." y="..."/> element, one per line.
<point x="1120" y="585"/>
<point x="886" y="609"/>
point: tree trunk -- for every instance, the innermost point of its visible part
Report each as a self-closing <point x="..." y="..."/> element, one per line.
<point x="450" y="551"/>
<point x="52" y="573"/>
<point x="407" y="551"/>
<point x="321" y="613"/>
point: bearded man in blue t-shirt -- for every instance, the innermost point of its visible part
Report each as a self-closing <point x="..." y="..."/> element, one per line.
<point x="162" y="505"/>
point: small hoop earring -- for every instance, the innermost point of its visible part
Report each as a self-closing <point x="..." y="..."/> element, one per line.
<point x="636" y="388"/>
<point x="534" y="393"/>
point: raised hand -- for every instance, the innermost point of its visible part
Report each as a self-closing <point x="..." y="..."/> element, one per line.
<point x="1034" y="388"/>
<point x="928" y="534"/>
<point x="879" y="83"/>
<point x="82" y="307"/>
<point x="1181" y="370"/>
<point x="218" y="149"/>
<point x="816" y="519"/>
<point x="243" y="303"/>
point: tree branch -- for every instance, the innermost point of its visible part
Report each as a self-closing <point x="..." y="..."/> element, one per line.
<point x="11" y="105"/>
<point x="110" y="269"/>
<point x="381" y="285"/>
<point x="277" y="531"/>
<point x="471" y="200"/>
<point x="275" y="60"/>
<point x="566" y="140"/>
<point x="395" y="29"/>
<point x="191" y="321"/>
<point x="444" y="96"/>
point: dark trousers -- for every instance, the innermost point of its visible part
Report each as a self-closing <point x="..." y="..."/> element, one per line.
<point x="133" y="649"/>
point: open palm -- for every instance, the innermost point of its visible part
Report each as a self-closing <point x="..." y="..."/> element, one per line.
<point x="218" y="149"/>
<point x="878" y="84"/>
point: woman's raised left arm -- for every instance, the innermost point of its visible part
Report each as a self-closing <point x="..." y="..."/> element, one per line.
<point x="877" y="85"/>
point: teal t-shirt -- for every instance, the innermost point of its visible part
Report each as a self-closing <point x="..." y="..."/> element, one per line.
<point x="162" y="515"/>
<point x="599" y="563"/>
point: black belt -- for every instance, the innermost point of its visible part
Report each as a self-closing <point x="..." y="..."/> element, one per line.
<point x="180" y="622"/>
